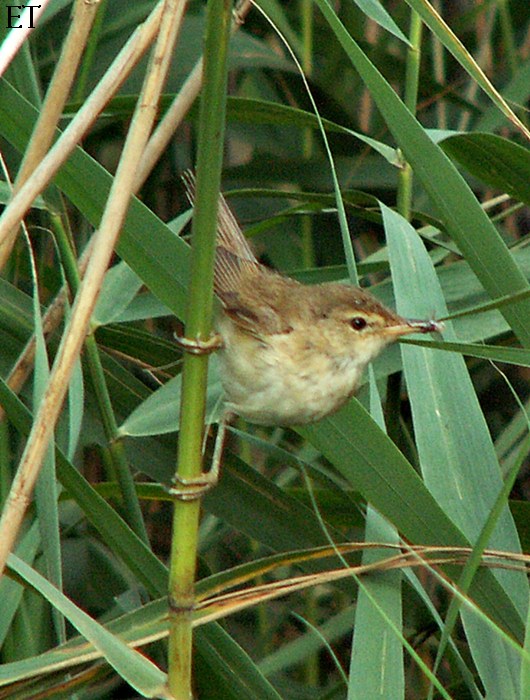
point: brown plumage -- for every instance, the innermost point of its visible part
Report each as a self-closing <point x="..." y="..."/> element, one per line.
<point x="292" y="353"/>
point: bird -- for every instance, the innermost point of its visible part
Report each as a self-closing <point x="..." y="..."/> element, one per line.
<point x="291" y="354"/>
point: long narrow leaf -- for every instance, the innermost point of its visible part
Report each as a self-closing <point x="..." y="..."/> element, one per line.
<point x="139" y="672"/>
<point x="495" y="353"/>
<point x="376" y="665"/>
<point x="450" y="432"/>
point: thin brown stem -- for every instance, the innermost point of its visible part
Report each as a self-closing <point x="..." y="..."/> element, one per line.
<point x="74" y="133"/>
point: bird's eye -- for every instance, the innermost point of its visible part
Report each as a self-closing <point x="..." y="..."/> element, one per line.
<point x="358" y="323"/>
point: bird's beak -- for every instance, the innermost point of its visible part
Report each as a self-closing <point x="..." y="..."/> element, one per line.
<point x="430" y="326"/>
<point x="412" y="326"/>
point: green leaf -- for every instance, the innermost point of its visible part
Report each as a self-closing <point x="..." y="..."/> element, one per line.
<point x="525" y="667"/>
<point x="160" y="412"/>
<point x="134" y="667"/>
<point x="11" y="591"/>
<point x="494" y="160"/>
<point x="450" y="432"/>
<point x="224" y="669"/>
<point x="496" y="353"/>
<point x="149" y="621"/>
<point x="376" y="11"/>
<point x="144" y="306"/>
<point x="254" y="111"/>
<point x="376" y="664"/>
<point x="120" y="286"/>
<point x="46" y="487"/>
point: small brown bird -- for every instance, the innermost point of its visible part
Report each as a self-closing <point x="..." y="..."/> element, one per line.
<point x="292" y="353"/>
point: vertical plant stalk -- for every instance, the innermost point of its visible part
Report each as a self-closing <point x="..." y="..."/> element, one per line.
<point x="307" y="15"/>
<point x="43" y="133"/>
<point x="198" y="326"/>
<point x="439" y="70"/>
<point x="131" y="506"/>
<point x="308" y="260"/>
<point x="90" y="52"/>
<point x="404" y="194"/>
<point x="484" y="41"/>
<point x="508" y="36"/>
<point x="404" y="206"/>
<point x="104" y="241"/>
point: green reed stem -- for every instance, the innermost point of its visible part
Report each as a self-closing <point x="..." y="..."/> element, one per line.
<point x="307" y="21"/>
<point x="198" y="326"/>
<point x="405" y="179"/>
<point x="131" y="505"/>
<point x="404" y="202"/>
<point x="508" y="35"/>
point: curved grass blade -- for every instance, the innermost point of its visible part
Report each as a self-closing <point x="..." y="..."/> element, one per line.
<point x="494" y="160"/>
<point x="495" y="353"/>
<point x="376" y="11"/>
<point x="135" y="668"/>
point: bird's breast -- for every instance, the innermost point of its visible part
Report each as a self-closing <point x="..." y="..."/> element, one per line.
<point x="282" y="379"/>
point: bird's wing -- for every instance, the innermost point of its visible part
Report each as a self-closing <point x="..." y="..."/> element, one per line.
<point x="249" y="295"/>
<point x="229" y="233"/>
